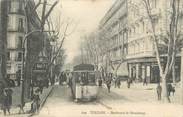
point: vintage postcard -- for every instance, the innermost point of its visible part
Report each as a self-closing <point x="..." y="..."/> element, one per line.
<point x="91" y="58"/>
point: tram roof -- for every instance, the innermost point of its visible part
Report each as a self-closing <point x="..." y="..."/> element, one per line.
<point x="84" y="67"/>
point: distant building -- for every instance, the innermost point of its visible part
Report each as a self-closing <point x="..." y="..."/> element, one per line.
<point x="114" y="27"/>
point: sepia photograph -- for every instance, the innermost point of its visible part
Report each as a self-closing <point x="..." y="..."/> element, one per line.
<point x="91" y="58"/>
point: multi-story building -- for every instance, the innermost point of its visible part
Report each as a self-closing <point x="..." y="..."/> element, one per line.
<point x="129" y="33"/>
<point x="114" y="26"/>
<point x="141" y="56"/>
<point x="18" y="24"/>
<point x="15" y="35"/>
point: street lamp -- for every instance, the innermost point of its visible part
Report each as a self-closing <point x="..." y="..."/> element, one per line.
<point x="53" y="44"/>
<point x="22" y="68"/>
<point x="23" y="64"/>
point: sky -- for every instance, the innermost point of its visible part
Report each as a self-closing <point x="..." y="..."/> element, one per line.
<point x="87" y="15"/>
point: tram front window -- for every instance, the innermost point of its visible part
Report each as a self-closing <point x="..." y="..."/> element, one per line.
<point x="85" y="78"/>
<point x="91" y="78"/>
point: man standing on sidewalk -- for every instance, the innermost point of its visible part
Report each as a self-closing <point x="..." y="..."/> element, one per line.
<point x="108" y="83"/>
<point x="7" y="101"/>
<point x="159" y="90"/>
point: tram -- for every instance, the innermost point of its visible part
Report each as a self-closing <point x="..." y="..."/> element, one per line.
<point x="83" y="83"/>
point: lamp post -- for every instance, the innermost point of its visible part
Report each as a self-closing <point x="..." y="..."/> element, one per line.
<point x="22" y="69"/>
<point x="53" y="44"/>
<point x="23" y="65"/>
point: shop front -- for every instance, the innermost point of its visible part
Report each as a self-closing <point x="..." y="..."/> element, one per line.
<point x="147" y="70"/>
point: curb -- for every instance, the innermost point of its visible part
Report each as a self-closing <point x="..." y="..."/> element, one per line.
<point x="43" y="101"/>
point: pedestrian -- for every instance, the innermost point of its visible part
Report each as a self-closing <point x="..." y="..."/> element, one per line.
<point x="35" y="102"/>
<point x="108" y="83"/>
<point x="7" y="101"/>
<point x="159" y="90"/>
<point x="100" y="82"/>
<point x="115" y="81"/>
<point x="129" y="81"/>
<point x="61" y="78"/>
<point x="118" y="82"/>
<point x="170" y="89"/>
<point x="41" y="86"/>
<point x="145" y="81"/>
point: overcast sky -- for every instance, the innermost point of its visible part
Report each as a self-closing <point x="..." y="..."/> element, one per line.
<point x="87" y="14"/>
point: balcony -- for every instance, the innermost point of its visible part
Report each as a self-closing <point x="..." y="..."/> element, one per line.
<point x="140" y="54"/>
<point x="21" y="30"/>
<point x="19" y="59"/>
<point x="19" y="11"/>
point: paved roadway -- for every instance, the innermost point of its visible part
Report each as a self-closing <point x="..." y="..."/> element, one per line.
<point x="118" y="103"/>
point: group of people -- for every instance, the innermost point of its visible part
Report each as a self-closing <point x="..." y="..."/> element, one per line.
<point x="170" y="89"/>
<point x="6" y="100"/>
<point x="108" y="80"/>
<point x="62" y="78"/>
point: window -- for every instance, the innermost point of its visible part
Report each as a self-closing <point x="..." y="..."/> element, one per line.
<point x="20" y="9"/>
<point x="20" y="39"/>
<point x="9" y="5"/>
<point x="8" y="55"/>
<point x="8" y="76"/>
<point x="8" y="66"/>
<point x="19" y="56"/>
<point x="20" y="25"/>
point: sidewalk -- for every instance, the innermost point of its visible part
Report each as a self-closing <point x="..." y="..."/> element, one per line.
<point x="15" y="109"/>
<point x="144" y="93"/>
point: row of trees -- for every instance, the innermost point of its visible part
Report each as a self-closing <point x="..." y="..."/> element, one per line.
<point x="95" y="49"/>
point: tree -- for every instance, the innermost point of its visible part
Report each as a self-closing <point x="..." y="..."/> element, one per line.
<point x="3" y="40"/>
<point x="33" y="25"/>
<point x="62" y="28"/>
<point x="172" y="33"/>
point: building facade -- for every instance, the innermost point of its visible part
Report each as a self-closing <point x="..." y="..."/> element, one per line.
<point x="18" y="25"/>
<point x="131" y="39"/>
<point x="141" y="56"/>
<point x="15" y="35"/>
<point x="114" y="26"/>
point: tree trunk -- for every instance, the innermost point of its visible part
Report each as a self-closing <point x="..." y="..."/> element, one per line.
<point x="165" y="98"/>
<point x="3" y="40"/>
